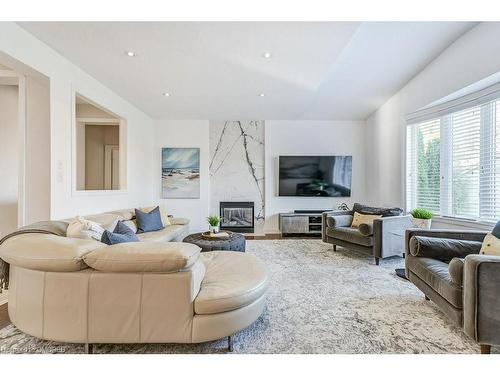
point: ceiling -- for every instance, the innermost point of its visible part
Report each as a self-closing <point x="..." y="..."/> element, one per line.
<point x="216" y="70"/>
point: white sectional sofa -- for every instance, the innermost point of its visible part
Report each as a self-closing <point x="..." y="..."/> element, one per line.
<point x="153" y="291"/>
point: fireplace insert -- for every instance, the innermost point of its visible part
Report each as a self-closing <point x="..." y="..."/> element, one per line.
<point x="237" y="216"/>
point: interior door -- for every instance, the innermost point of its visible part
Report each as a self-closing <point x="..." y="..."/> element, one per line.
<point x="111" y="167"/>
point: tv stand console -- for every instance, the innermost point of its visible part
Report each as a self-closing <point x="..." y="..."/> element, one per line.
<point x="307" y="223"/>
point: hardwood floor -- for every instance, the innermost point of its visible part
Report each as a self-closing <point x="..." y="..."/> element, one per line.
<point x="264" y="237"/>
<point x="4" y="316"/>
<point x="279" y="237"/>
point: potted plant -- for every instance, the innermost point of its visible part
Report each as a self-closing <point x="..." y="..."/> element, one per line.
<point x="213" y="221"/>
<point x="421" y="218"/>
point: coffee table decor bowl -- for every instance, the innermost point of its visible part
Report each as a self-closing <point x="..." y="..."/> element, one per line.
<point x="216" y="236"/>
<point x="222" y="241"/>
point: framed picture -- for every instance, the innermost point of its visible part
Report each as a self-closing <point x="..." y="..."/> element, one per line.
<point x="180" y="173"/>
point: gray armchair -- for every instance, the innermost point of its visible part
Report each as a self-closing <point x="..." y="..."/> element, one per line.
<point x="446" y="267"/>
<point x="383" y="239"/>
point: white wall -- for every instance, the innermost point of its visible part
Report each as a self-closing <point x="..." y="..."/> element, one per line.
<point x="9" y="161"/>
<point x="37" y="152"/>
<point x="26" y="54"/>
<point x="311" y="138"/>
<point x="188" y="133"/>
<point x="474" y="56"/>
<point x="281" y="138"/>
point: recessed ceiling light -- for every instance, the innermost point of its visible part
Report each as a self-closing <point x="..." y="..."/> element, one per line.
<point x="166" y="94"/>
<point x="130" y="53"/>
<point x="262" y="94"/>
<point x="266" y="55"/>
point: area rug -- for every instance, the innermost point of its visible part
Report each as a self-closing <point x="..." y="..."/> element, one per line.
<point x="319" y="301"/>
<point x="3" y="297"/>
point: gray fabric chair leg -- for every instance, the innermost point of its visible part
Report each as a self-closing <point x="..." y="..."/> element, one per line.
<point x="377" y="261"/>
<point x="89" y="348"/>
<point x="229" y="343"/>
<point x="334" y="247"/>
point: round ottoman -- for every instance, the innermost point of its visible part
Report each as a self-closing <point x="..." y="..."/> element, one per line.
<point x="235" y="242"/>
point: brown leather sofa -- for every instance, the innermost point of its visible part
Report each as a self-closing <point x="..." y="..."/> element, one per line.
<point x="446" y="266"/>
<point x="83" y="291"/>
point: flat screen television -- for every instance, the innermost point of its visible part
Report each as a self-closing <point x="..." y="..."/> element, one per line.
<point x="315" y="176"/>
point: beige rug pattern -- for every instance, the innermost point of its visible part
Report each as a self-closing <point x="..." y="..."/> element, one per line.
<point x="319" y="301"/>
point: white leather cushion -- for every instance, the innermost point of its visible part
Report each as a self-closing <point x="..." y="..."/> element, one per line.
<point x="491" y="245"/>
<point x="232" y="280"/>
<point x="359" y="219"/>
<point x="84" y="229"/>
<point x="47" y="252"/>
<point x="144" y="257"/>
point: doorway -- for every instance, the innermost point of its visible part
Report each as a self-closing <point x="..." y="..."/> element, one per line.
<point x="9" y="150"/>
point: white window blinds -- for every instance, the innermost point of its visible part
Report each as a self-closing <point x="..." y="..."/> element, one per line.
<point x="423" y="189"/>
<point x="453" y="163"/>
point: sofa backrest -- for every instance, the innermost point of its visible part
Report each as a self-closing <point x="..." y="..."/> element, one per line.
<point x="143" y="257"/>
<point x="48" y="252"/>
<point x="384" y="211"/>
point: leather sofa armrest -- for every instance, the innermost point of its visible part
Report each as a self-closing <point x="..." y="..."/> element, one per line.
<point x="332" y="215"/>
<point x="388" y="235"/>
<point x="179" y="221"/>
<point x="481" y="298"/>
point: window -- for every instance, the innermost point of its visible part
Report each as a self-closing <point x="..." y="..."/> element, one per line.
<point x="453" y="163"/>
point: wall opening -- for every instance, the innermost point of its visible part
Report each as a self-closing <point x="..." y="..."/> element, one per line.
<point x="99" y="136"/>
<point x="9" y="150"/>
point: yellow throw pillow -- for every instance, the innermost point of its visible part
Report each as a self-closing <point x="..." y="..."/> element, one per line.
<point x="491" y="245"/>
<point x="363" y="219"/>
<point x="163" y="213"/>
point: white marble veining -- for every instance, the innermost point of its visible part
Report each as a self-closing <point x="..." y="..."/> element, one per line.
<point x="237" y="165"/>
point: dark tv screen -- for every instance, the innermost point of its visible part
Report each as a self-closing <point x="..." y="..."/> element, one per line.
<point x="315" y="176"/>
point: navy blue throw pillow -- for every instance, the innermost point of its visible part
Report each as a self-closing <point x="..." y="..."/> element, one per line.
<point x="148" y="222"/>
<point x="122" y="233"/>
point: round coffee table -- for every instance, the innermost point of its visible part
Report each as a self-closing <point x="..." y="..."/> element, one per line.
<point x="233" y="242"/>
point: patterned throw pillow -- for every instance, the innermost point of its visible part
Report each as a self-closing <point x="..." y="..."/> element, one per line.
<point x="122" y="233"/>
<point x="84" y="229"/>
<point x="363" y="219"/>
<point x="491" y="243"/>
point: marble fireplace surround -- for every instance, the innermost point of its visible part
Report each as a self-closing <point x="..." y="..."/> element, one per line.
<point x="237" y="166"/>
